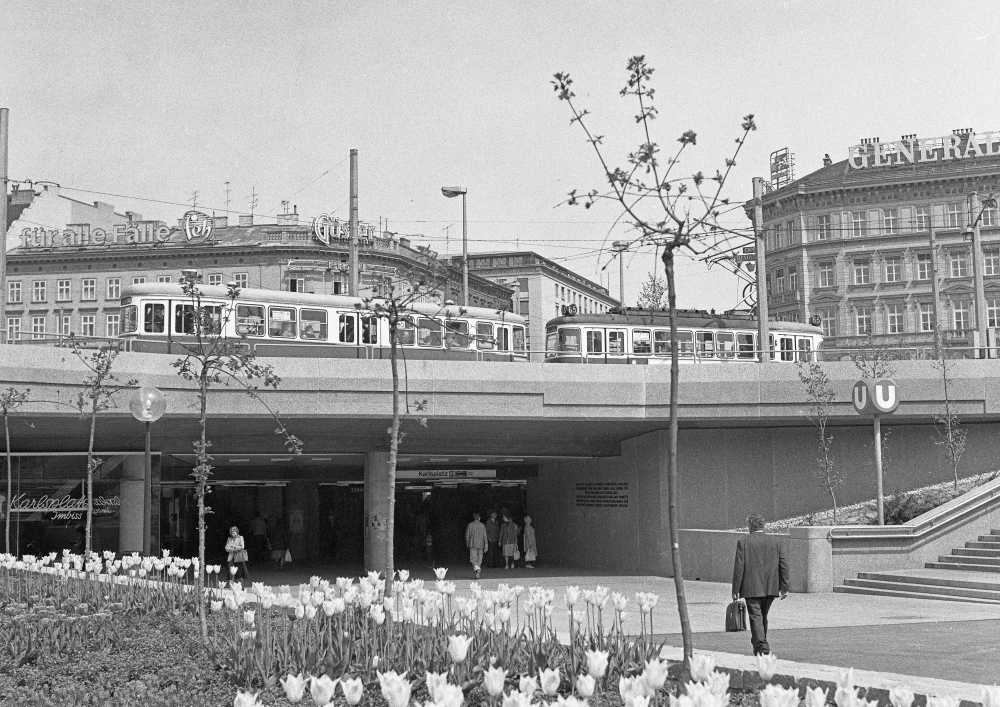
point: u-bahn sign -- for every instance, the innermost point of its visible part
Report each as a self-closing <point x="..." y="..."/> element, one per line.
<point x="875" y="397"/>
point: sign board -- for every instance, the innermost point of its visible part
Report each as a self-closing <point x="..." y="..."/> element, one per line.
<point x="446" y="474"/>
<point x="910" y="150"/>
<point x="750" y="249"/>
<point x="879" y="397"/>
<point x="745" y="258"/>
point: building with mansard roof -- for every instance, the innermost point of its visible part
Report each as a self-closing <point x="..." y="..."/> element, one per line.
<point x="849" y="245"/>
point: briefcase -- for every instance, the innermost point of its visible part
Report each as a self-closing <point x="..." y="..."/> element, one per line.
<point x="736" y="618"/>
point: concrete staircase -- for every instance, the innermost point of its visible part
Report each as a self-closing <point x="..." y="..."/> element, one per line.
<point x="969" y="574"/>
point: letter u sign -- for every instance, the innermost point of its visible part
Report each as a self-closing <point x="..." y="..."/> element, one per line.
<point x="875" y="397"/>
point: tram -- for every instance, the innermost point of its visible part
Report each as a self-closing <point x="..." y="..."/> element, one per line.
<point x="160" y="318"/>
<point x="642" y="336"/>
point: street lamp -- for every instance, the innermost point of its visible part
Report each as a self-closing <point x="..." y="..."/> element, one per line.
<point x="976" y="211"/>
<point x="451" y="192"/>
<point x="147" y="406"/>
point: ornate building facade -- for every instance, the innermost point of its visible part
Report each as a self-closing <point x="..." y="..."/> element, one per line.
<point x="849" y="245"/>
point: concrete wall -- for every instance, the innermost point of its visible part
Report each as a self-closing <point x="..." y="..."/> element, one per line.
<point x="708" y="555"/>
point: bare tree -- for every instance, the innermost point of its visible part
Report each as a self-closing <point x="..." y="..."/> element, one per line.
<point x="213" y="358"/>
<point x="875" y="360"/>
<point x="677" y="213"/>
<point x="100" y="388"/>
<point x="820" y="395"/>
<point x="653" y="294"/>
<point x="951" y="435"/>
<point x="10" y="400"/>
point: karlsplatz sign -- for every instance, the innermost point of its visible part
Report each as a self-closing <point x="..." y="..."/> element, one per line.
<point x="65" y="507"/>
<point x="197" y="226"/>
<point x="936" y="149"/>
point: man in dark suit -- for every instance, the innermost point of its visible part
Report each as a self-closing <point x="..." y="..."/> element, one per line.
<point x="759" y="575"/>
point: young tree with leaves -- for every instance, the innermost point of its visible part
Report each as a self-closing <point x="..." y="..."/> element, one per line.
<point x="679" y="214"/>
<point x="951" y="435"/>
<point x="820" y="395"/>
<point x="875" y="360"/>
<point x="653" y="294"/>
<point x="10" y="400"/>
<point x="212" y="358"/>
<point x="100" y="388"/>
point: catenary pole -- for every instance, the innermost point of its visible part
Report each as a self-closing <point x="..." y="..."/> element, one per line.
<point x="934" y="294"/>
<point x="978" y="266"/>
<point x="763" y="332"/>
<point x="4" y="135"/>
<point x="353" y="286"/>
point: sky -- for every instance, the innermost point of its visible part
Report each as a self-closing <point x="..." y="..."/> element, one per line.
<point x="152" y="102"/>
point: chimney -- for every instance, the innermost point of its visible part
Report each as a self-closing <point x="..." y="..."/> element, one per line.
<point x="246" y="220"/>
<point x="826" y="160"/>
<point x="220" y="222"/>
<point x="404" y="242"/>
<point x="133" y="216"/>
<point x="288" y="219"/>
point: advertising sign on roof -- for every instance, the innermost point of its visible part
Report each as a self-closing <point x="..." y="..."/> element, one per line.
<point x="962" y="144"/>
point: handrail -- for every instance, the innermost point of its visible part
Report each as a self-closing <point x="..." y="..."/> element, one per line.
<point x="932" y="520"/>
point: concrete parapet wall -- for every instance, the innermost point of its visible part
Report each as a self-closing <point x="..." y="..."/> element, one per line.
<point x="708" y="555"/>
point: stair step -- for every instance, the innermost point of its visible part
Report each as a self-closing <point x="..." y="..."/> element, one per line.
<point x="951" y="579"/>
<point x="915" y="588"/>
<point x="909" y="595"/>
<point x="970" y="559"/>
<point x="985" y="544"/>
<point x="976" y="552"/>
<point x="944" y="565"/>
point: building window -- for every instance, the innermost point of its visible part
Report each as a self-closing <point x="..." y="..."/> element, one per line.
<point x="959" y="260"/>
<point x="923" y="266"/>
<point x="923" y="221"/>
<point x="825" y="274"/>
<point x="38" y="291"/>
<point x="955" y="215"/>
<point x="114" y="288"/>
<point x="893" y="269"/>
<point x="215" y="278"/>
<point x="991" y="262"/>
<point x="89" y="289"/>
<point x="859" y="224"/>
<point x="13" y="291"/>
<point x="790" y="229"/>
<point x="926" y="316"/>
<point x="13" y="328"/>
<point x="793" y="278"/>
<point x="779" y="280"/>
<point x="863" y="320"/>
<point x="961" y="310"/>
<point x="890" y="221"/>
<point x="62" y="291"/>
<point x="989" y="217"/>
<point x="64" y="324"/>
<point x="87" y="325"/>
<point x="38" y="327"/>
<point x="138" y="280"/>
<point x="823" y="228"/>
<point x="112" y="325"/>
<point x="163" y="278"/>
<point x="993" y="312"/>
<point x="828" y="321"/>
<point x="894" y="319"/>
<point x="862" y="272"/>
<point x="241" y="279"/>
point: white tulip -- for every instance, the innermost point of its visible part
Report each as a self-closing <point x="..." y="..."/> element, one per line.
<point x="528" y="684"/>
<point x="702" y="666"/>
<point x="767" y="663"/>
<point x="597" y="663"/>
<point x="322" y="689"/>
<point x="550" y="681"/>
<point x="585" y="685"/>
<point x="777" y="696"/>
<point x="493" y="680"/>
<point x="295" y="687"/>
<point x="353" y="689"/>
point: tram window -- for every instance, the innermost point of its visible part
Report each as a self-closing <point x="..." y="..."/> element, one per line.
<point x="457" y="336"/>
<point x="744" y="344"/>
<point x="369" y="330"/>
<point x="685" y="345"/>
<point x="519" y="338"/>
<point x="484" y="335"/>
<point x="503" y="338"/>
<point x="706" y="344"/>
<point x="347" y="328"/>
<point x="405" y="332"/>
<point x="640" y="342"/>
<point x="569" y="340"/>
<point x="724" y="340"/>
<point x="130" y="316"/>
<point x="595" y="342"/>
<point x="787" y="348"/>
<point x="616" y="342"/>
<point x="805" y="349"/>
<point x="153" y="318"/>
<point x="550" y="342"/>
<point x="428" y="332"/>
<point x="250" y="320"/>
<point x="281" y="322"/>
<point x="313" y="324"/>
<point x="185" y="316"/>
<point x="770" y="346"/>
<point x="661" y="342"/>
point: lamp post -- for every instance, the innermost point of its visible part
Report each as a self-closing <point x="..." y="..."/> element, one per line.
<point x="453" y="192"/>
<point x="976" y="211"/>
<point x="147" y="406"/>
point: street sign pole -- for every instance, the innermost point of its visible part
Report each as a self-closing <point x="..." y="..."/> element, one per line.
<point x="878" y="470"/>
<point x="876" y="398"/>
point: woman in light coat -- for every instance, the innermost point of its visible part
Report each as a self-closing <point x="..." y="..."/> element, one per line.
<point x="237" y="553"/>
<point x="530" y="545"/>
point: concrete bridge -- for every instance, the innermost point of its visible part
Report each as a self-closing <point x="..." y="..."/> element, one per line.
<point x="588" y="442"/>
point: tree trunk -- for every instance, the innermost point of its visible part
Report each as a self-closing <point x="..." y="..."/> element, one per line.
<point x="390" y="522"/>
<point x="673" y="478"/>
<point x="202" y="484"/>
<point x="88" y="538"/>
<point x="10" y="490"/>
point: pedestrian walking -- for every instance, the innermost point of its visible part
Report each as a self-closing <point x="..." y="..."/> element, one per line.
<point x="258" y="537"/>
<point x="493" y="540"/>
<point x="475" y="540"/>
<point x="236" y="556"/>
<point x="508" y="539"/>
<point x="530" y="544"/>
<point x="760" y="573"/>
<point x="279" y="546"/>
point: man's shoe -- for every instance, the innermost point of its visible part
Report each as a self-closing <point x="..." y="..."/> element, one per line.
<point x="477" y="574"/>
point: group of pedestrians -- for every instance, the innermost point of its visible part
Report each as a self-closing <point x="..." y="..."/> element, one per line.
<point x="495" y="539"/>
